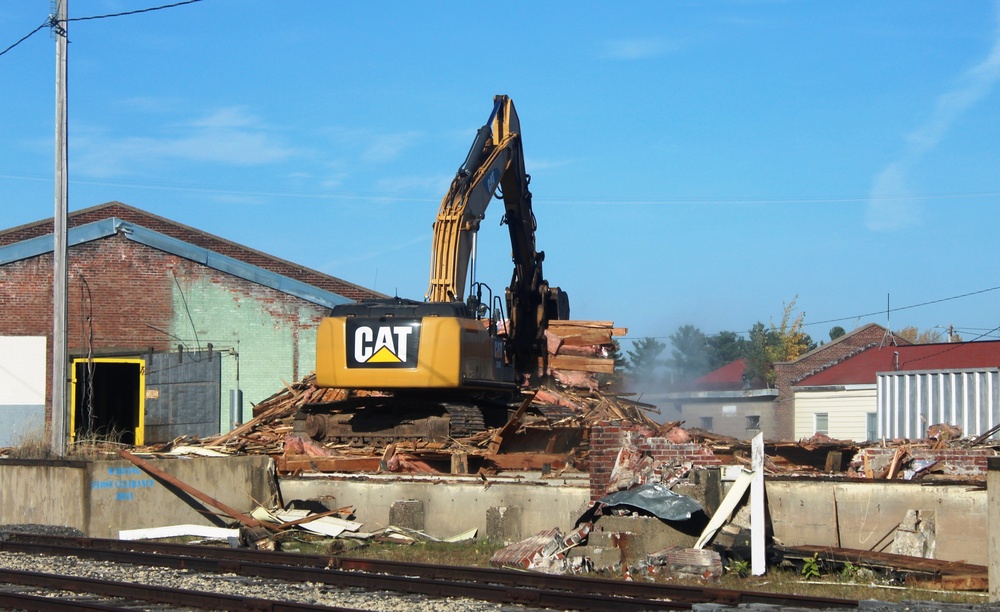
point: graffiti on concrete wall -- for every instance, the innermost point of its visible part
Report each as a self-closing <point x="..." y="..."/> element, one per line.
<point x="124" y="482"/>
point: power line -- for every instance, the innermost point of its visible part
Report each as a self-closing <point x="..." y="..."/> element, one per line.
<point x="878" y="312"/>
<point x="52" y="22"/>
<point x="135" y="12"/>
<point x="870" y="314"/>
<point x="47" y="23"/>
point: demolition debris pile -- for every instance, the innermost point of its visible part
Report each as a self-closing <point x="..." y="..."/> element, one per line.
<point x="547" y="432"/>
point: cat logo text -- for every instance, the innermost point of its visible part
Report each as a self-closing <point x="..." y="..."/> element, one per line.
<point x="373" y="343"/>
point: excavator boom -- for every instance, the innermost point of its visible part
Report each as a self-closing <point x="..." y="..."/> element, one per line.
<point x="444" y="343"/>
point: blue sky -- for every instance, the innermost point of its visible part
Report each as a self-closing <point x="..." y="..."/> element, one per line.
<point x="692" y="162"/>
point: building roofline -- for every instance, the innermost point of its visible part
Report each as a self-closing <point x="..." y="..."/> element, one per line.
<point x="714" y="395"/>
<point x="111" y="226"/>
<point x="195" y="237"/>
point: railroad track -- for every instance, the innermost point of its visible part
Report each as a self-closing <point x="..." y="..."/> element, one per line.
<point x="434" y="581"/>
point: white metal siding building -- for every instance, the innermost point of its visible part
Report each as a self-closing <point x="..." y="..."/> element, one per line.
<point x="910" y="401"/>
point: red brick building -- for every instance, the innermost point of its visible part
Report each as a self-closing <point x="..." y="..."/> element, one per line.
<point x="168" y="326"/>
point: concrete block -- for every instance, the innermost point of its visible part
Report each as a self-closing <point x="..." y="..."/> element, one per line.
<point x="503" y="523"/>
<point x="600" y="557"/>
<point x="645" y="534"/>
<point x="407" y="514"/>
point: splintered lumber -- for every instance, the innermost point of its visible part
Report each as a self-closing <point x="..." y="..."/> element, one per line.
<point x="529" y="461"/>
<point x="497" y="440"/>
<point x="305" y="463"/>
<point x="556" y="323"/>
<point x="585" y="364"/>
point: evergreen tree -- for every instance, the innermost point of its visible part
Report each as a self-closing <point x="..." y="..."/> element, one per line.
<point x="644" y="360"/>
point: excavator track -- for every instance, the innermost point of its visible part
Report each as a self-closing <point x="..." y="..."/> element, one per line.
<point x="377" y="421"/>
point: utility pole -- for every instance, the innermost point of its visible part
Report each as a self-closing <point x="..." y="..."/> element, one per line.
<point x="60" y="274"/>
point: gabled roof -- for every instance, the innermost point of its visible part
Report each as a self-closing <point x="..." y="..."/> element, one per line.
<point x="864" y="367"/>
<point x="187" y="236"/>
<point x="729" y="376"/>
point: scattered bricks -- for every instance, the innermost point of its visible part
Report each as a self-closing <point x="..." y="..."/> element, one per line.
<point x="541" y="551"/>
<point x="680" y="562"/>
<point x="407" y="514"/>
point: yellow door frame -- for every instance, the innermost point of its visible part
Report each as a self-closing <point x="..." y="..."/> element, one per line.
<point x="141" y="425"/>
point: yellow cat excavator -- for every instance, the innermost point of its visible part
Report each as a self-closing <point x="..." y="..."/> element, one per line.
<point x="446" y="355"/>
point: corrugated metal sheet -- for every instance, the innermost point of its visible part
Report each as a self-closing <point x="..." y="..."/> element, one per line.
<point x="909" y="402"/>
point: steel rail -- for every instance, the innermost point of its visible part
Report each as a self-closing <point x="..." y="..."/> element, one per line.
<point x="140" y="592"/>
<point x="434" y="587"/>
<point x="664" y="595"/>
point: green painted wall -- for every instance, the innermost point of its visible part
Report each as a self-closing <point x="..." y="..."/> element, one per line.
<point x="273" y="334"/>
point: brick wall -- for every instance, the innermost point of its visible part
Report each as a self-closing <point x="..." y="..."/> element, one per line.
<point x="956" y="462"/>
<point x="607" y="438"/>
<point x="126" y="299"/>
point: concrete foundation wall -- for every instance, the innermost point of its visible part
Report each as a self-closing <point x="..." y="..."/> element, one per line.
<point x="102" y="497"/>
<point x="864" y="515"/>
<point x="507" y="510"/>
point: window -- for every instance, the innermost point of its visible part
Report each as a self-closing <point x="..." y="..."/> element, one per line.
<point x="872" y="426"/>
<point x="753" y="421"/>
<point x="706" y="423"/>
<point x="822" y="423"/>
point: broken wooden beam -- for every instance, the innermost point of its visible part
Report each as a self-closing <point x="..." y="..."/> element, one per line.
<point x="305" y="463"/>
<point x="529" y="461"/>
<point x="584" y="364"/>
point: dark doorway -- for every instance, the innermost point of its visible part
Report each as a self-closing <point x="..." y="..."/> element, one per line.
<point x="107" y="400"/>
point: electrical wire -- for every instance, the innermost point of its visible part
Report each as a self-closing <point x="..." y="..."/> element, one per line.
<point x="135" y="12"/>
<point x="87" y="328"/>
<point x="52" y="22"/>
<point x="47" y="23"/>
<point x="891" y="310"/>
<point x="870" y="314"/>
<point x="952" y="346"/>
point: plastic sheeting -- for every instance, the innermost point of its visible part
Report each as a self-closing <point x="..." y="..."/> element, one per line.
<point x="656" y="499"/>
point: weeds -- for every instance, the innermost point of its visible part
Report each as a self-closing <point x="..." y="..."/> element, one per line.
<point x="95" y="446"/>
<point x="34" y="445"/>
<point x="738" y="567"/>
<point x="810" y="567"/>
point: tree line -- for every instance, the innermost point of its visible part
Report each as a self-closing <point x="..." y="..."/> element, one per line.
<point x="694" y="353"/>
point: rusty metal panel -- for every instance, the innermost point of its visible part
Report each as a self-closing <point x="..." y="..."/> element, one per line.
<point x="909" y="402"/>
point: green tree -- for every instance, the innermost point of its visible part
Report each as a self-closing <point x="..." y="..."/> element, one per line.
<point x="836" y="331"/>
<point x="759" y="348"/>
<point x="689" y="352"/>
<point x="724" y="348"/>
<point x="644" y="360"/>
<point x="792" y="342"/>
<point x="776" y="344"/>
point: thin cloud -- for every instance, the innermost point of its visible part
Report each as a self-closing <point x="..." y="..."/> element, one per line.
<point x="227" y="136"/>
<point x="334" y="264"/>
<point x="629" y="49"/>
<point x="890" y="206"/>
<point x="389" y="146"/>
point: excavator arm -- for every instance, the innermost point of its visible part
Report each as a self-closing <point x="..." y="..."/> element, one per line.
<point x="441" y="343"/>
<point x="496" y="160"/>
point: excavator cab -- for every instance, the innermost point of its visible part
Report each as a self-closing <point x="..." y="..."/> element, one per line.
<point x="405" y="344"/>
